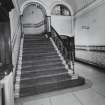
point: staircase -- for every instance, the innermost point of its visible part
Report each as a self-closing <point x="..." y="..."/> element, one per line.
<point x="42" y="69"/>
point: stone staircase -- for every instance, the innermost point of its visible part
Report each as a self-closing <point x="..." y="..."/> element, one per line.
<point x="42" y="69"/>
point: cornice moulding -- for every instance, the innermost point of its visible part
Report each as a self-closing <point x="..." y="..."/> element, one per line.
<point x="94" y="5"/>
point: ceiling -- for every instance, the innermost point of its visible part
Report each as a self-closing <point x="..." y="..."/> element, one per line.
<point x="76" y="5"/>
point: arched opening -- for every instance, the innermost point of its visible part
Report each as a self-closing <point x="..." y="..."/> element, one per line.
<point x="34" y="19"/>
<point x="61" y="10"/>
<point x="62" y="19"/>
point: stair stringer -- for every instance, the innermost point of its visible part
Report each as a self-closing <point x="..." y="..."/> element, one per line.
<point x="18" y="72"/>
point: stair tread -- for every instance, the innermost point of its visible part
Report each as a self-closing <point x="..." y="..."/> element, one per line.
<point x="34" y="37"/>
<point x="45" y="80"/>
<point x="39" y="57"/>
<point x="40" y="60"/>
<point x="39" y="48"/>
<point x="38" y="77"/>
<point x="57" y="85"/>
<point x="37" y="41"/>
<point x="40" y="54"/>
<point x="44" y="66"/>
<point x="47" y="43"/>
<point x="37" y="45"/>
<point x="38" y="51"/>
<point x="45" y="71"/>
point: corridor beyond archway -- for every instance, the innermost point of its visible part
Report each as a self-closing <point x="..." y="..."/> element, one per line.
<point x="33" y="19"/>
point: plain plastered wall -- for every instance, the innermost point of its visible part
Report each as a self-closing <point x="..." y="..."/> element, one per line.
<point x="62" y="24"/>
<point x="95" y="20"/>
<point x="15" y="36"/>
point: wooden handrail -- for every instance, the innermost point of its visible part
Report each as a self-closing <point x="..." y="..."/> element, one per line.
<point x="57" y="34"/>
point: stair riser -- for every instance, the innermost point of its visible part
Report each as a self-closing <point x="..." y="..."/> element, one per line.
<point x="40" y="57"/>
<point x="38" y="51"/>
<point x="39" y="54"/>
<point x="47" y="66"/>
<point x="40" y="62"/>
<point x="34" y="37"/>
<point x="41" y="73"/>
<point x="39" y="48"/>
<point x="37" y="45"/>
<point x="43" y="79"/>
<point x="30" y="70"/>
<point x="36" y="41"/>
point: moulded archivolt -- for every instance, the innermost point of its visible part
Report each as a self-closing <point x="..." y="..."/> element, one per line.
<point x="29" y="2"/>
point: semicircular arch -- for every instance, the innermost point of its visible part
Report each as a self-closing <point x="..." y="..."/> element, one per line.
<point x="30" y="2"/>
<point x="61" y="3"/>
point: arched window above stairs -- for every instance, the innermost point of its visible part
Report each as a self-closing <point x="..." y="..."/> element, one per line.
<point x="61" y="10"/>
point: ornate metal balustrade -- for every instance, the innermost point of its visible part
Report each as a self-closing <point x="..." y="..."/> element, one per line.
<point x="66" y="46"/>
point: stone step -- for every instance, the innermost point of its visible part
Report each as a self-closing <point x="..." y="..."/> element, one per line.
<point x="39" y="57"/>
<point x="40" y="62"/>
<point x="46" y="66"/>
<point x="39" y="54"/>
<point x="38" y="51"/>
<point x="50" y="86"/>
<point x="43" y="71"/>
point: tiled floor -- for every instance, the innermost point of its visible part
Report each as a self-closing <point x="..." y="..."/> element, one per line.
<point x="92" y="93"/>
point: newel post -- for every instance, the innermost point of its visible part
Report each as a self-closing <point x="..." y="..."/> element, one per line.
<point x="49" y="26"/>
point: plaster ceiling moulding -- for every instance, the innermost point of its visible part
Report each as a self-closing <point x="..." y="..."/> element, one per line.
<point x="93" y="5"/>
<point x="83" y="4"/>
<point x="77" y="5"/>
